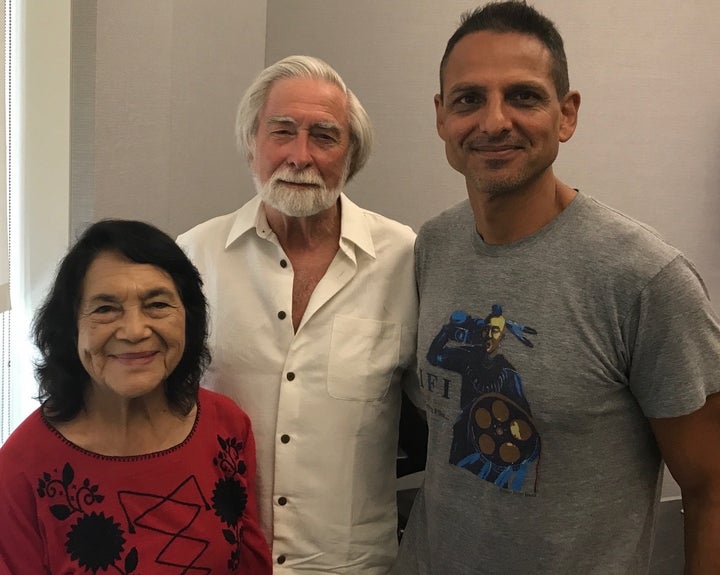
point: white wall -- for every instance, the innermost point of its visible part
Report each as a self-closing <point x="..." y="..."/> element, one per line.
<point x="155" y="108"/>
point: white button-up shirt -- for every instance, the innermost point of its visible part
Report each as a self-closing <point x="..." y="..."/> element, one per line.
<point x="324" y="402"/>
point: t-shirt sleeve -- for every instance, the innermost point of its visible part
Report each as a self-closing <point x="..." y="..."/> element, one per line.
<point x="674" y="335"/>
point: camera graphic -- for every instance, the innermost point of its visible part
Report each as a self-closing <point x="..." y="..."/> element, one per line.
<point x="464" y="328"/>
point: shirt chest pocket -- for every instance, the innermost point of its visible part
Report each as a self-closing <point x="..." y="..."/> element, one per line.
<point x="364" y="354"/>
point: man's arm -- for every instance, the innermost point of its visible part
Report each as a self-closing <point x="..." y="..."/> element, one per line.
<point x="690" y="445"/>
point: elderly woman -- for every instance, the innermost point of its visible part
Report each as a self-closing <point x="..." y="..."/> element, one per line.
<point x="128" y="466"/>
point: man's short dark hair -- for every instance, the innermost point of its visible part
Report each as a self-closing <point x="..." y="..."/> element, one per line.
<point x="514" y="16"/>
<point x="61" y="376"/>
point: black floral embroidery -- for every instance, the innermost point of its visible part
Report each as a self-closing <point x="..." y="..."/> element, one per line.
<point x="229" y="500"/>
<point x="94" y="541"/>
<point x="230" y="495"/>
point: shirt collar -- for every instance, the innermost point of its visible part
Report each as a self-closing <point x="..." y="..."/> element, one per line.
<point x="250" y="216"/>
<point x="354" y="227"/>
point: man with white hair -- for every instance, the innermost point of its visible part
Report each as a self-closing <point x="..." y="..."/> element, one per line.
<point x="313" y="308"/>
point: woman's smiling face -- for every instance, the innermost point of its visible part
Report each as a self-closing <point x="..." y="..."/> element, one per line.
<point x="131" y="326"/>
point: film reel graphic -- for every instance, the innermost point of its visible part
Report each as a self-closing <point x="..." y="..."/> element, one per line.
<point x="505" y="439"/>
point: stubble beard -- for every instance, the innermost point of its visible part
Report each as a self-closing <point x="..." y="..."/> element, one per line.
<point x="497" y="187"/>
<point x="494" y="184"/>
<point x="298" y="202"/>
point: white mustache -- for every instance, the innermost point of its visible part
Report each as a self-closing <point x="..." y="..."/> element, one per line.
<point x="297" y="177"/>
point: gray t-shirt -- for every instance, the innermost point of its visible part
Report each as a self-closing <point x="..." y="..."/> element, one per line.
<point x="540" y="362"/>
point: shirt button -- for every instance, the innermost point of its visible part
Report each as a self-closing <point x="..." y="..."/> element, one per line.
<point x="282" y="315"/>
<point x="283" y="263"/>
<point x="290" y="376"/>
<point x="285" y="438"/>
<point x="281" y="559"/>
<point x="282" y="500"/>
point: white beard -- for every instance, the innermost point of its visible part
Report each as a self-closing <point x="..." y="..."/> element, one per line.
<point x="293" y="201"/>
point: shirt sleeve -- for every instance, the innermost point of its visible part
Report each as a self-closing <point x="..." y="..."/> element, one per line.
<point x="255" y="554"/>
<point x="675" y="337"/>
<point x="22" y="549"/>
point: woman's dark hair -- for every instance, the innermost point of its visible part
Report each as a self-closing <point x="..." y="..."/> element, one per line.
<point x="61" y="376"/>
